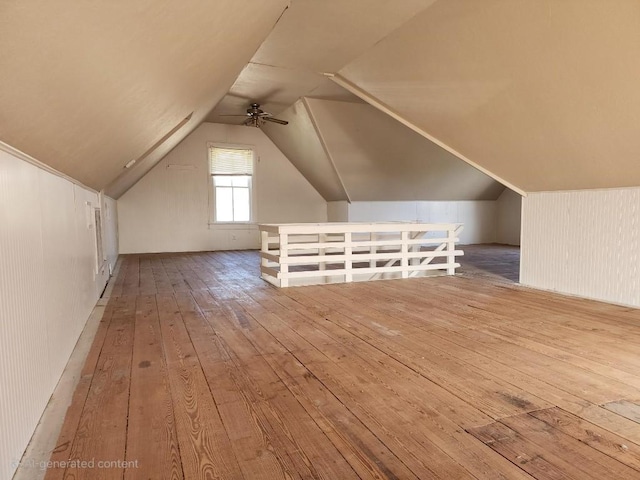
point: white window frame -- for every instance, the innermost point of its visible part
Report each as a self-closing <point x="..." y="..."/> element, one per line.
<point x="212" y="190"/>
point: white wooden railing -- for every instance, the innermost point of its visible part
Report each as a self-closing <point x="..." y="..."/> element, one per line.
<point x="311" y="253"/>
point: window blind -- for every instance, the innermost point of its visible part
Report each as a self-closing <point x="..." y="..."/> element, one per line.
<point x="231" y="161"/>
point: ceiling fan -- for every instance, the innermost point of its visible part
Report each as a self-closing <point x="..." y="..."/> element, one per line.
<point x="256" y="117"/>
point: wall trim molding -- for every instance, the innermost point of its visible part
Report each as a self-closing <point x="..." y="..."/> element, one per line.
<point x="576" y="190"/>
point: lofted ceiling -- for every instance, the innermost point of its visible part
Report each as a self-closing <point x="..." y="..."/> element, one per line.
<point x="312" y="37"/>
<point x="542" y="93"/>
<point x="86" y="87"/>
<point x="539" y="94"/>
<point x="275" y="89"/>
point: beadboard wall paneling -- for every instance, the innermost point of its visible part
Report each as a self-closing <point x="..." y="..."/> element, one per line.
<point x="48" y="287"/>
<point x="584" y="243"/>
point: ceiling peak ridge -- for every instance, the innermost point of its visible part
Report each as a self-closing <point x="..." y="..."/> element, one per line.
<point x="284" y="67"/>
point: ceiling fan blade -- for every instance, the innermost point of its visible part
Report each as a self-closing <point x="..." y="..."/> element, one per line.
<point x="275" y="120"/>
<point x="225" y="115"/>
<point x="248" y="121"/>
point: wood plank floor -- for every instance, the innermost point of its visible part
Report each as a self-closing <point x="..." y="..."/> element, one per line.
<point x="202" y="370"/>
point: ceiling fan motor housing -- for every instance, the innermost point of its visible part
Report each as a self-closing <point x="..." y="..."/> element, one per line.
<point x="254" y="110"/>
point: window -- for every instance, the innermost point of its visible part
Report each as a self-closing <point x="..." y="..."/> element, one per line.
<point x="231" y="175"/>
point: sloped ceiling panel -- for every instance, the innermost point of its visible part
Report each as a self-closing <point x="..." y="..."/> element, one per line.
<point x="323" y="36"/>
<point x="312" y="37"/>
<point x="130" y="176"/>
<point x="379" y="159"/>
<point x="274" y="88"/>
<point x="88" y="86"/>
<point x="543" y="93"/>
<point x="300" y="143"/>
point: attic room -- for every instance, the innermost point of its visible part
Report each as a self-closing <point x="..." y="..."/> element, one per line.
<point x="279" y="239"/>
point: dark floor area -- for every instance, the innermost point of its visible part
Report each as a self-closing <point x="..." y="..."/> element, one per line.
<point x="493" y="261"/>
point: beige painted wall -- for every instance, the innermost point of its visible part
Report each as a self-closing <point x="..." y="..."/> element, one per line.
<point x="168" y="210"/>
<point x="300" y="142"/>
<point x="584" y="243"/>
<point x="379" y="159"/>
<point x="508" y="217"/>
<point x="338" y="211"/>
<point x="479" y="217"/>
<point x="48" y="288"/>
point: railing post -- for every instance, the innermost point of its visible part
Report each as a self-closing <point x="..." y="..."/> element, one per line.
<point x="415" y="248"/>
<point x="373" y="236"/>
<point x="284" y="253"/>
<point x="264" y="246"/>
<point x="451" y="246"/>
<point x="322" y="238"/>
<point x="348" y="252"/>
<point x="404" y="260"/>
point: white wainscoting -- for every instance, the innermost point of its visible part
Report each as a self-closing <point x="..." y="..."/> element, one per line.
<point x="48" y="288"/>
<point x="584" y="243"/>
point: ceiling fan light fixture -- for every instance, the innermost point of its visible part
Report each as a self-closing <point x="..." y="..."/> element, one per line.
<point x="252" y="122"/>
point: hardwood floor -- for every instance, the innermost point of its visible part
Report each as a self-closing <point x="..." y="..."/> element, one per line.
<point x="202" y="370"/>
